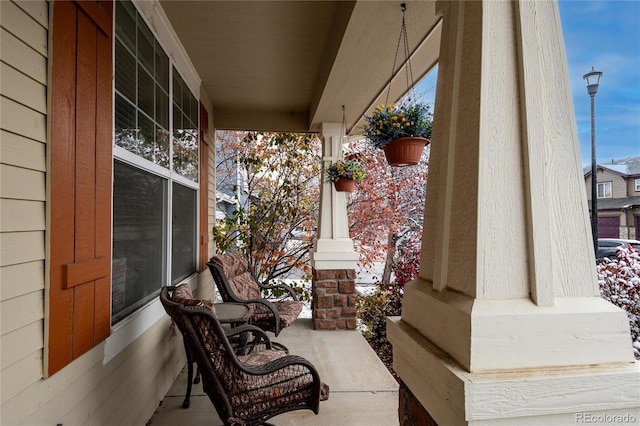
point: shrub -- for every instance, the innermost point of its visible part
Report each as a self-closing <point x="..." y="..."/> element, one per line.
<point x="373" y="309"/>
<point x="619" y="281"/>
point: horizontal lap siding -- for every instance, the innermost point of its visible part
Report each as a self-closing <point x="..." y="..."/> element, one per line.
<point x="128" y="388"/>
<point x="23" y="136"/>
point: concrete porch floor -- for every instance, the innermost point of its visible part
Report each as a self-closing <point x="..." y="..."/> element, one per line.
<point x="363" y="392"/>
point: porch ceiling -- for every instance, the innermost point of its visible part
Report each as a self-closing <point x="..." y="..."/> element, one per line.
<point x="291" y="65"/>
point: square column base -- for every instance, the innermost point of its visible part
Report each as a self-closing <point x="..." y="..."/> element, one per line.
<point x="334" y="299"/>
<point x="537" y="396"/>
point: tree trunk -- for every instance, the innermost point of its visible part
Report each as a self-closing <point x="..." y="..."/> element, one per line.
<point x="388" y="263"/>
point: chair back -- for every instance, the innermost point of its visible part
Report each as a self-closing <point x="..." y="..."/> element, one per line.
<point x="205" y="339"/>
<point x="242" y="395"/>
<point x="233" y="277"/>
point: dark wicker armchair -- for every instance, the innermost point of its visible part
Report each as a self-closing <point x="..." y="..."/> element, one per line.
<point x="237" y="283"/>
<point x="244" y="389"/>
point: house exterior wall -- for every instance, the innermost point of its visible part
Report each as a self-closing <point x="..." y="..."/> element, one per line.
<point x="98" y="387"/>
<point x="618" y="183"/>
<point x="622" y="187"/>
<point x="631" y="186"/>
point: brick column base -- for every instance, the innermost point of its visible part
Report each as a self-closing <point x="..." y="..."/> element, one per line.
<point x="410" y="411"/>
<point x="333" y="294"/>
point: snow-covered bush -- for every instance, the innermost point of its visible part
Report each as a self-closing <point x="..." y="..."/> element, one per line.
<point x="619" y="280"/>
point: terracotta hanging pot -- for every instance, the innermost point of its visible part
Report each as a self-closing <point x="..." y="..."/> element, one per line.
<point x="405" y="151"/>
<point x="345" y="185"/>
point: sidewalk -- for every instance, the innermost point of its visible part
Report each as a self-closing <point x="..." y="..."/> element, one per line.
<point x="363" y="392"/>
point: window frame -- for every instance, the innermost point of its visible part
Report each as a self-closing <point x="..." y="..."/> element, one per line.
<point x="605" y="185"/>
<point x="125" y="331"/>
<point x="637" y="184"/>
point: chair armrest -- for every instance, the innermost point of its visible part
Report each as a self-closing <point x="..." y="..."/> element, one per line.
<point x="271" y="307"/>
<point x="284" y="287"/>
<point x="259" y="342"/>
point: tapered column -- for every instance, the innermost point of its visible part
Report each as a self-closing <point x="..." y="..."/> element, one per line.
<point x="505" y="320"/>
<point x="333" y="258"/>
<point x="333" y="249"/>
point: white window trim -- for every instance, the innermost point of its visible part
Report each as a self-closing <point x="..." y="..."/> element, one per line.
<point x="637" y="183"/>
<point x="133" y="326"/>
<point x="136" y="324"/>
<point x="604" y="189"/>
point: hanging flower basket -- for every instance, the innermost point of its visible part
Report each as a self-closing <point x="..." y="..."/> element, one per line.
<point x="405" y="151"/>
<point x="402" y="131"/>
<point x="345" y="174"/>
<point x="345" y="185"/>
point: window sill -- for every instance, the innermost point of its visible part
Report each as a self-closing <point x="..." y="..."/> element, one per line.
<point x="132" y="327"/>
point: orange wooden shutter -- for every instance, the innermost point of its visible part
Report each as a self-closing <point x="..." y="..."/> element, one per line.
<point x="80" y="180"/>
<point x="204" y="190"/>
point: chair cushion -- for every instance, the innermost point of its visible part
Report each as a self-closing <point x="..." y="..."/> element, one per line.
<point x="288" y="311"/>
<point x="183" y="295"/>
<point x="262" y="357"/>
<point x="268" y="355"/>
<point x="183" y="291"/>
<point x="234" y="263"/>
<point x="245" y="286"/>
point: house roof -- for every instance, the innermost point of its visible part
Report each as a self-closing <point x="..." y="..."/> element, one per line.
<point x="627" y="167"/>
<point x="617" y="203"/>
<point x="292" y="65"/>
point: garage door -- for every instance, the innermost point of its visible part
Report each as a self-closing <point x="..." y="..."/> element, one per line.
<point x="609" y="227"/>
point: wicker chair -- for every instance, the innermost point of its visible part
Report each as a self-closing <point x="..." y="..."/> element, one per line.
<point x="237" y="283"/>
<point x="244" y="389"/>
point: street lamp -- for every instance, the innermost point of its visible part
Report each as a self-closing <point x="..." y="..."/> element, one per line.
<point x="593" y="79"/>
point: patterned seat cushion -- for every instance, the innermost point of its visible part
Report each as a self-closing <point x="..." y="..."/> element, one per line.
<point x="183" y="295"/>
<point x="234" y="263"/>
<point x="260" y="358"/>
<point x="288" y="311"/>
<point x="268" y="355"/>
<point x="244" y="285"/>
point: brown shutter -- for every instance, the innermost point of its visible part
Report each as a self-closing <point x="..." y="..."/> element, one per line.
<point x="80" y="180"/>
<point x="204" y="190"/>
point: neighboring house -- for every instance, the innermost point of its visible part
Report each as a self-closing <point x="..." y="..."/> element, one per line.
<point x="618" y="192"/>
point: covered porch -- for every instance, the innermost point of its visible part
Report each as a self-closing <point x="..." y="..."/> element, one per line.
<point x="363" y="392"/>
<point x="504" y="324"/>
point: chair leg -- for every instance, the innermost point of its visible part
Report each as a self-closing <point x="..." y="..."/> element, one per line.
<point x="186" y="403"/>
<point x="197" y="379"/>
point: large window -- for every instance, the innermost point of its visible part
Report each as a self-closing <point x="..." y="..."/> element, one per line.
<point x="637" y="182"/>
<point x="604" y="190"/>
<point x="155" y="168"/>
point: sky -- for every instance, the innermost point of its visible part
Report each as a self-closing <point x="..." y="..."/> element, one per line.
<point x="604" y="34"/>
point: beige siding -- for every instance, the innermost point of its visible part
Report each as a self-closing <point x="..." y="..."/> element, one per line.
<point x="128" y="388"/>
<point x="631" y="187"/>
<point x="618" y="183"/>
<point x="23" y="102"/>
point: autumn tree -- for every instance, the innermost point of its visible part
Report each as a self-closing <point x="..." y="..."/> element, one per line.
<point x="274" y="180"/>
<point x="386" y="212"/>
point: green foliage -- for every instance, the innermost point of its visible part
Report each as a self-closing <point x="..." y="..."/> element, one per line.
<point x="278" y="192"/>
<point x="345" y="169"/>
<point x="392" y="121"/>
<point x="301" y="289"/>
<point x="373" y="309"/>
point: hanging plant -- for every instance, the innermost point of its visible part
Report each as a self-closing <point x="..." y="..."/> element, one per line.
<point x="401" y="130"/>
<point x="345" y="174"/>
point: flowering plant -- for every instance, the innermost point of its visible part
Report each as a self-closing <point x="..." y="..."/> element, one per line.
<point x="345" y="169"/>
<point x="392" y="121"/>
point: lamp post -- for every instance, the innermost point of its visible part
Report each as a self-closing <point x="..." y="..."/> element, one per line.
<point x="593" y="79"/>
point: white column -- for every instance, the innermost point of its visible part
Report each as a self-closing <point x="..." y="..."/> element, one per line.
<point x="333" y="249"/>
<point x="505" y="320"/>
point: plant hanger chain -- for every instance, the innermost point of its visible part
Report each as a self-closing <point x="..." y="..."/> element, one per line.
<point x="405" y="39"/>
<point x="343" y="130"/>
